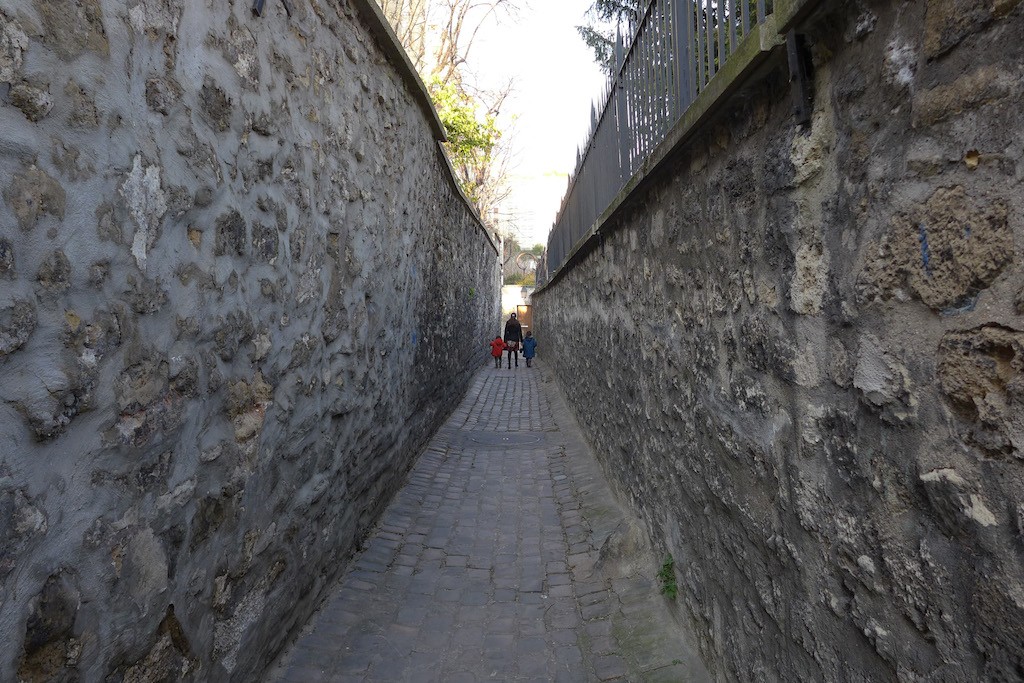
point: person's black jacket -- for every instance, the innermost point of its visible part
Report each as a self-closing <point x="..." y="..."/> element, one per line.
<point x="513" y="331"/>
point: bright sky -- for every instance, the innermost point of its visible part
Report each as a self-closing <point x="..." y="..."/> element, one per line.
<point x="554" y="82"/>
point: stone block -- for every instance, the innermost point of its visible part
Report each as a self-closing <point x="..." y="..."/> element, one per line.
<point x="34" y="102"/>
<point x="969" y="92"/>
<point x="32" y="193"/>
<point x="947" y="22"/>
<point x="981" y="372"/>
<point x="17" y="322"/>
<point x="945" y="250"/>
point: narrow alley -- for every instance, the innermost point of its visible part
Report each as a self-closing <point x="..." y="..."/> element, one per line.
<point x="488" y="564"/>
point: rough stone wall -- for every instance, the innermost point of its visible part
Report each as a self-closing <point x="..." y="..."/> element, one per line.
<point x="800" y="356"/>
<point x="238" y="292"/>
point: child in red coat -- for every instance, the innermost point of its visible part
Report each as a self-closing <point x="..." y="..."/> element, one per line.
<point x="497" y="348"/>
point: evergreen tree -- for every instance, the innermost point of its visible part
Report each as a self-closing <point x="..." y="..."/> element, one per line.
<point x="604" y="19"/>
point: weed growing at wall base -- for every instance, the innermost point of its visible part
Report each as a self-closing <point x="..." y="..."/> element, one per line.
<point x="667" y="579"/>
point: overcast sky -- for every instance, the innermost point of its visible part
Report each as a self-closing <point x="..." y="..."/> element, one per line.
<point x="555" y="81"/>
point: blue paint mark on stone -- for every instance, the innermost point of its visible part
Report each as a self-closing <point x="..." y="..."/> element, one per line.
<point x="922" y="236"/>
<point x="414" y="337"/>
<point x="965" y="305"/>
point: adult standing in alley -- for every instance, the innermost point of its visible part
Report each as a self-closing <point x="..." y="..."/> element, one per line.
<point x="513" y="337"/>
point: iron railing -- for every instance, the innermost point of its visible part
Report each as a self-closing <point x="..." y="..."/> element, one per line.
<point x="676" y="49"/>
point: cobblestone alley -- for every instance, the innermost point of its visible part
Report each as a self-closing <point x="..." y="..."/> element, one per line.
<point x="487" y="565"/>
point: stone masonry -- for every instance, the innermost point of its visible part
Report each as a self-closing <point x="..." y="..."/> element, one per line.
<point x="238" y="292"/>
<point x="799" y="354"/>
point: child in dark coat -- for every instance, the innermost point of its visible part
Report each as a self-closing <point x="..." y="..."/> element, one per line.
<point x="529" y="348"/>
<point x="497" y="348"/>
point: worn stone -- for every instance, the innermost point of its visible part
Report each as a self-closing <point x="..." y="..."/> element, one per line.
<point x="971" y="91"/>
<point x="54" y="397"/>
<point x="22" y="521"/>
<point x="13" y="44"/>
<point x="947" y="22"/>
<point x="146" y="296"/>
<point x="216" y="105"/>
<point x="171" y="654"/>
<point x="141" y="385"/>
<point x="17" y="322"/>
<point x="179" y="201"/>
<point x="945" y="250"/>
<point x="6" y="259"/>
<point x="162" y="94"/>
<point x="955" y="502"/>
<point x="98" y="273"/>
<point x="33" y="193"/>
<point x="204" y="196"/>
<point x="155" y="19"/>
<point x="982" y="376"/>
<point x="54" y="276"/>
<point x="145" y="569"/>
<point x="50" y="651"/>
<point x="144" y="198"/>
<point x="70" y="31"/>
<point x="34" y="102"/>
<point x="69" y="161"/>
<point x="810" y="281"/>
<point x="231" y="234"/>
<point x="241" y="51"/>
<point x="83" y="107"/>
<point x="235" y="330"/>
<point x="264" y="241"/>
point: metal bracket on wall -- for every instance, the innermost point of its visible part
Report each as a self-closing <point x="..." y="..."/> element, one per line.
<point x="799" y="77"/>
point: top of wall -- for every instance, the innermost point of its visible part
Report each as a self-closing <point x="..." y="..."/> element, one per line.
<point x="381" y="29"/>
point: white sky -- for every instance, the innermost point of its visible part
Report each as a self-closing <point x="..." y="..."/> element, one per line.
<point x="554" y="82"/>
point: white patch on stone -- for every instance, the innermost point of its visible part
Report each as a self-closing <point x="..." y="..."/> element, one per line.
<point x="979" y="512"/>
<point x="181" y="494"/>
<point x="809" y="152"/>
<point x="261" y="346"/>
<point x="13" y="44"/>
<point x="89" y="358"/>
<point x="810" y="281"/>
<point x="866" y="563"/>
<point x="865" y="24"/>
<point x="809" y="431"/>
<point x="944" y="474"/>
<point x="128" y="425"/>
<point x="147" y="205"/>
<point x="153" y="17"/>
<point x="805" y="367"/>
<point x="900" y="63"/>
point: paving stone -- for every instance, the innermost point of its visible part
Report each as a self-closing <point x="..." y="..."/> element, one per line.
<point x="483" y="566"/>
<point x="610" y="667"/>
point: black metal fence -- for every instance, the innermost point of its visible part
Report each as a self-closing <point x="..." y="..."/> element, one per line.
<point x="676" y="49"/>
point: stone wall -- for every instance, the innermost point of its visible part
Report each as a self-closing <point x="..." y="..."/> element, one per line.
<point x="238" y="291"/>
<point x="800" y="356"/>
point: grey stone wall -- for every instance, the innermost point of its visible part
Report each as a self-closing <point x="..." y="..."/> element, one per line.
<point x="800" y="357"/>
<point x="238" y="291"/>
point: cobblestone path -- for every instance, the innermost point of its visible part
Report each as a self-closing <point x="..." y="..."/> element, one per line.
<point x="487" y="565"/>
